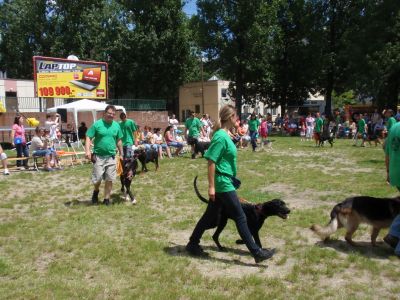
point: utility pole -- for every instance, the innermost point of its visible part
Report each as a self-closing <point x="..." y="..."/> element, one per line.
<point x="202" y="86"/>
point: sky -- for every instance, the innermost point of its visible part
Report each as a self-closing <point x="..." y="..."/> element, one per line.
<point x="190" y="7"/>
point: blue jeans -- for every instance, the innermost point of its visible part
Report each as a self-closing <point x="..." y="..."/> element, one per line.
<point x="127" y="151"/>
<point x="22" y="149"/>
<point x="253" y="138"/>
<point x="395" y="231"/>
<point x="175" y="144"/>
<point x="232" y="207"/>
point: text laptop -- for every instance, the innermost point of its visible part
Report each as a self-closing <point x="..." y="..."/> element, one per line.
<point x="90" y="79"/>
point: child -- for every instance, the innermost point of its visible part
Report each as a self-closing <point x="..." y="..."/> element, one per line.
<point x="263" y="132"/>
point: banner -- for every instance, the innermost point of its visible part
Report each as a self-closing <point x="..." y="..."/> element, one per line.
<point x="63" y="78"/>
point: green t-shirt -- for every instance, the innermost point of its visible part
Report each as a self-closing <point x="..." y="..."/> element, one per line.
<point x="128" y="127"/>
<point x="390" y="122"/>
<point x="318" y="124"/>
<point x="222" y="152"/>
<point x="361" y="126"/>
<point x="194" y="126"/>
<point x="253" y="124"/>
<point x="392" y="149"/>
<point x="105" y="137"/>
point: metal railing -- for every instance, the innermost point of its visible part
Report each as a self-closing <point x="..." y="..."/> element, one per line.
<point x="34" y="104"/>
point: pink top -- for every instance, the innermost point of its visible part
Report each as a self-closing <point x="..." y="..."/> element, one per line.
<point x="19" y="132"/>
<point x="168" y="137"/>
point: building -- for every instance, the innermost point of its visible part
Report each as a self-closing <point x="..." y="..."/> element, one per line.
<point x="203" y="97"/>
<point x="19" y="95"/>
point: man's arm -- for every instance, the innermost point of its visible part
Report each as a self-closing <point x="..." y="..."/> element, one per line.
<point x="119" y="146"/>
<point x="88" y="143"/>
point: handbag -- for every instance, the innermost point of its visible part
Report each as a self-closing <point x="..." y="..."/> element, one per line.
<point x="235" y="181"/>
<point x="17" y="140"/>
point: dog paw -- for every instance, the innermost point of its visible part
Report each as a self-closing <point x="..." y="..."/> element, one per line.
<point x="222" y="249"/>
<point x="239" y="242"/>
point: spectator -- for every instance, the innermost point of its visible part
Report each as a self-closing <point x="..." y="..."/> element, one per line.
<point x="263" y="130"/>
<point x="158" y="140"/>
<point x="39" y="148"/>
<point x="207" y="125"/>
<point x="194" y="127"/>
<point x="18" y="141"/>
<point x="309" y="127"/>
<point x="138" y="136"/>
<point x="82" y="132"/>
<point x="390" y="120"/>
<point x="51" y="124"/>
<point x="170" y="140"/>
<point x="392" y="161"/>
<point x="172" y="121"/>
<point x="107" y="135"/>
<point x="3" y="158"/>
<point x="128" y="128"/>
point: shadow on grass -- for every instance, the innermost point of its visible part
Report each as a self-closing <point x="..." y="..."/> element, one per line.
<point x="115" y="199"/>
<point x="179" y="250"/>
<point x="381" y="251"/>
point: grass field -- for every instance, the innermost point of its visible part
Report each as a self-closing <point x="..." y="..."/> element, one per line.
<point x="53" y="244"/>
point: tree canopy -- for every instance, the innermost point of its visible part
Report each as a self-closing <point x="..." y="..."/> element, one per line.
<point x="273" y="51"/>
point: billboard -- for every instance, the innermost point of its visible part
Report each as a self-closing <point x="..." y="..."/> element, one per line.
<point x="63" y="78"/>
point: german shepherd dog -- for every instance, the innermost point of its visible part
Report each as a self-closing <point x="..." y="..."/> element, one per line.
<point x="129" y="171"/>
<point x="255" y="215"/>
<point x="145" y="156"/>
<point x="378" y="212"/>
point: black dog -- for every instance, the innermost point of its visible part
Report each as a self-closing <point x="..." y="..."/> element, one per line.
<point x="145" y="156"/>
<point x="255" y="214"/>
<point x="129" y="171"/>
<point x="326" y="135"/>
<point x="201" y="147"/>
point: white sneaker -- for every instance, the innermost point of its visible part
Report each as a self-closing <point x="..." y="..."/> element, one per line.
<point x="6" y="172"/>
<point x="133" y="202"/>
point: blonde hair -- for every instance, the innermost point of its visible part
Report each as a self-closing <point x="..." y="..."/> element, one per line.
<point x="225" y="113"/>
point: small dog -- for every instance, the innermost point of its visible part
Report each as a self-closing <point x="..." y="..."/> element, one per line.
<point x="145" y="156"/>
<point x="255" y="215"/>
<point x="129" y="171"/>
<point x="378" y="212"/>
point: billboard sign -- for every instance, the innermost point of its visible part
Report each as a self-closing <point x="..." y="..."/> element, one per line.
<point x="63" y="78"/>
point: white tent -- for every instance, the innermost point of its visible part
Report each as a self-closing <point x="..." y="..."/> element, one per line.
<point x="84" y="105"/>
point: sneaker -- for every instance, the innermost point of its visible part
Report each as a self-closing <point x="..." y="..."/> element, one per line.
<point x="133" y="202"/>
<point x="195" y="250"/>
<point x="391" y="240"/>
<point x="263" y="254"/>
<point x="106" y="202"/>
<point x="6" y="172"/>
<point x="95" y="197"/>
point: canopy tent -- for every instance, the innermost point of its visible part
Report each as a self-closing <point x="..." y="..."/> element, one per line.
<point x="84" y="105"/>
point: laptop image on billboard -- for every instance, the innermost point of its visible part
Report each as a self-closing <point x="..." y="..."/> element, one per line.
<point x="90" y="79"/>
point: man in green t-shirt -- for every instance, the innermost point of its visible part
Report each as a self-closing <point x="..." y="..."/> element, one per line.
<point x="360" y="130"/>
<point x="254" y="123"/>
<point x="193" y="127"/>
<point x="128" y="128"/>
<point x="319" y="123"/>
<point x="392" y="160"/>
<point x="106" y="135"/>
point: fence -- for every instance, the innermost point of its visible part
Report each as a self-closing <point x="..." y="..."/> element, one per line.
<point x="32" y="104"/>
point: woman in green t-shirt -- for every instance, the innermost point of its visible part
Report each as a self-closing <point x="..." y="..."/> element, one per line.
<point x="221" y="156"/>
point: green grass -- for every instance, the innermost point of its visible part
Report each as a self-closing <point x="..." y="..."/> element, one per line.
<point x="54" y="245"/>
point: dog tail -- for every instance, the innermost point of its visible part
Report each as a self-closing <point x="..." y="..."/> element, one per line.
<point x="197" y="191"/>
<point x="325" y="232"/>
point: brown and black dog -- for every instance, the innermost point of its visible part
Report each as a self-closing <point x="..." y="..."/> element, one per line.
<point x="255" y="215"/>
<point x="129" y="171"/>
<point x="377" y="212"/>
<point x="145" y="156"/>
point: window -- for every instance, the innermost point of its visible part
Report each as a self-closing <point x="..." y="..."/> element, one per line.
<point x="197" y="108"/>
<point x="224" y="93"/>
